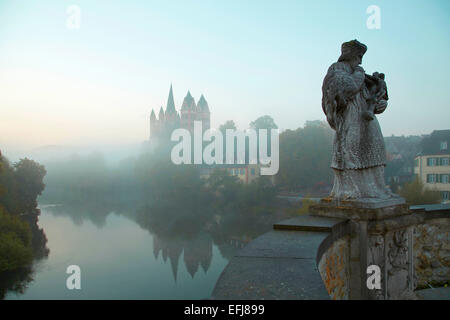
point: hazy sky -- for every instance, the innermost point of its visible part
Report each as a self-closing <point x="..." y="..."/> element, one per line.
<point x="98" y="84"/>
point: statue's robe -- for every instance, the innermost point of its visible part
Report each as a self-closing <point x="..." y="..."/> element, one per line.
<point x="359" y="154"/>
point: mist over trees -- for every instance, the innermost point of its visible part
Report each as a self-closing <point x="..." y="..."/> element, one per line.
<point x="305" y="156"/>
<point x="171" y="200"/>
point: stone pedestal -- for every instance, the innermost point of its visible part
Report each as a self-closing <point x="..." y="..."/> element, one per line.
<point x="382" y="235"/>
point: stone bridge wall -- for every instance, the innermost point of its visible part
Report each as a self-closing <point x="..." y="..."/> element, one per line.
<point x="431" y="245"/>
<point x="315" y="257"/>
<point x="432" y="253"/>
<point x="334" y="269"/>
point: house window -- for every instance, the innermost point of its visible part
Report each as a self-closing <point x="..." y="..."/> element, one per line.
<point x="253" y="171"/>
<point x="445" y="178"/>
<point x="432" y="162"/>
<point x="445" y="195"/>
<point x="445" y="161"/>
<point x="431" y="178"/>
<point x="443" y="145"/>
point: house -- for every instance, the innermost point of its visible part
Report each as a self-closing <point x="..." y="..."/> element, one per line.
<point x="432" y="164"/>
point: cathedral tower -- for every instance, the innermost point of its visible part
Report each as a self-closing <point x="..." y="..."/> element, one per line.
<point x="203" y="113"/>
<point x="188" y="112"/>
<point x="162" y="127"/>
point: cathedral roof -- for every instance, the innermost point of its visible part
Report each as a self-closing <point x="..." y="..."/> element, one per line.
<point x="188" y="102"/>
<point x="203" y="104"/>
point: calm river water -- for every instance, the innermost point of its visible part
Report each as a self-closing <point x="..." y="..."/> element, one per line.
<point x="119" y="259"/>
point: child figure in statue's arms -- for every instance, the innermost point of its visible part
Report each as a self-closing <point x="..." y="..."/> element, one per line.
<point x="378" y="94"/>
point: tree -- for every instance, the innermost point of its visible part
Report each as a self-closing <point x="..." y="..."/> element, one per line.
<point x="264" y="122"/>
<point x="226" y="188"/>
<point x="29" y="176"/>
<point x="305" y="156"/>
<point x="20" y="236"/>
<point x="415" y="193"/>
<point x="15" y="242"/>
<point x="229" y="124"/>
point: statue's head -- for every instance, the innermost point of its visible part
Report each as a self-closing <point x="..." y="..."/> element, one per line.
<point x="352" y="52"/>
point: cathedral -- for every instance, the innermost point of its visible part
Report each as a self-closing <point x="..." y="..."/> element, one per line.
<point x="162" y="127"/>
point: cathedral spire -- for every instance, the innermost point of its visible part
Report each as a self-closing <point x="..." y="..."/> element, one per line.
<point x="161" y="114"/>
<point x="203" y="104"/>
<point x="170" y="108"/>
<point x="153" y="115"/>
<point x="188" y="102"/>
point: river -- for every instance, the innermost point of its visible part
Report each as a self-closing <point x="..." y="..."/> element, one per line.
<point x="119" y="259"/>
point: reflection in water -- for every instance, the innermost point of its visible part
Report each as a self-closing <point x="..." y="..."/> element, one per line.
<point x="16" y="281"/>
<point x="96" y="210"/>
<point x="197" y="252"/>
<point x="189" y="239"/>
<point x="194" y="231"/>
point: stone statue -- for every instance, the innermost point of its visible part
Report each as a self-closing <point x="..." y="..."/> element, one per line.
<point x="381" y="223"/>
<point x="350" y="100"/>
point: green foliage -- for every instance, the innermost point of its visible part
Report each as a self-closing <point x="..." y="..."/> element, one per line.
<point x="20" y="185"/>
<point x="416" y="193"/>
<point x="29" y="176"/>
<point x="230" y="192"/>
<point x="8" y="187"/>
<point x="20" y="239"/>
<point x="15" y="243"/>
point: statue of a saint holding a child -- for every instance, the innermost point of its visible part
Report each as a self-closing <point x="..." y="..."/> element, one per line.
<point x="351" y="99"/>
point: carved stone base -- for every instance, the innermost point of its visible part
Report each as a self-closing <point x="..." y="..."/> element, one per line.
<point x="382" y="235"/>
